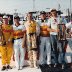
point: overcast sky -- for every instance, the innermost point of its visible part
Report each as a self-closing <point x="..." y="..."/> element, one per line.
<point x="22" y="6"/>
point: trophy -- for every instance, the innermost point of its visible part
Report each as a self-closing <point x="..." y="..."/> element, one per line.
<point x="68" y="33"/>
<point x="62" y="32"/>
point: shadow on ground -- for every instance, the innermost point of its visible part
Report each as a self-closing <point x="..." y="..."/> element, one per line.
<point x="45" y="68"/>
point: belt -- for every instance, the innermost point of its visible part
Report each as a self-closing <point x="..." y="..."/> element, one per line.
<point x="18" y="38"/>
<point x="45" y="35"/>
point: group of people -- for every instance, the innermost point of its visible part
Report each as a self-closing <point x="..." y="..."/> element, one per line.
<point x="35" y="37"/>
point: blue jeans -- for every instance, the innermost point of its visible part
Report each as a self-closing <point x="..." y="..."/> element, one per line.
<point x="54" y="47"/>
<point x="58" y="49"/>
<point x="45" y="50"/>
<point x="61" y="46"/>
<point x="70" y="42"/>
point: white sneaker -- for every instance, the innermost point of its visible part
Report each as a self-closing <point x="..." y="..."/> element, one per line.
<point x="21" y="68"/>
<point x="18" y="68"/>
<point x="36" y="67"/>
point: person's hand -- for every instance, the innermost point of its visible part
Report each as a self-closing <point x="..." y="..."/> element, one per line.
<point x="23" y="46"/>
<point x="57" y="30"/>
<point x="53" y="30"/>
<point x="7" y="42"/>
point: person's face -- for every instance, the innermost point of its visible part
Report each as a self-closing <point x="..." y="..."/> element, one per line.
<point x="54" y="13"/>
<point x="5" y="21"/>
<point x="16" y="20"/>
<point x="43" y="16"/>
<point x="29" y="16"/>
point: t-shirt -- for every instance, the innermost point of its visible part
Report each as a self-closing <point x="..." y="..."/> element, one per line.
<point x="32" y="27"/>
<point x="18" y="31"/>
<point x="43" y="28"/>
<point x="53" y="23"/>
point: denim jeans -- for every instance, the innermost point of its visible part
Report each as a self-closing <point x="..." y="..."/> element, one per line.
<point x="54" y="47"/>
<point x="45" y="50"/>
<point x="61" y="46"/>
<point x="70" y="42"/>
<point x="58" y="49"/>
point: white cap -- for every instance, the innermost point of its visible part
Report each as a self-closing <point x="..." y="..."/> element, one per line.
<point x="5" y="17"/>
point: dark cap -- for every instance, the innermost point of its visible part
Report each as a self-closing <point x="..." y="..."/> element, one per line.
<point x="16" y="17"/>
<point x="42" y="12"/>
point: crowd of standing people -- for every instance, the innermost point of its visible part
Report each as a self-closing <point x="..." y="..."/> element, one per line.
<point x="38" y="38"/>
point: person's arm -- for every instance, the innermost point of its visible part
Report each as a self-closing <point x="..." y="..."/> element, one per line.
<point x="11" y="34"/>
<point x="24" y="40"/>
<point x="24" y="37"/>
<point x="37" y="29"/>
<point x="51" y="30"/>
<point x="64" y="21"/>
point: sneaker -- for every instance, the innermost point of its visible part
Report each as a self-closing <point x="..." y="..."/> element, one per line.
<point x="49" y="66"/>
<point x="3" y="68"/>
<point x="9" y="67"/>
<point x="20" y="68"/>
<point x="55" y="65"/>
<point x="71" y="66"/>
<point x="63" y="66"/>
<point x="36" y="67"/>
<point x="31" y="66"/>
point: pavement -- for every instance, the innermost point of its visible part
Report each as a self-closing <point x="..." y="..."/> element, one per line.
<point x="14" y="69"/>
<point x="68" y="59"/>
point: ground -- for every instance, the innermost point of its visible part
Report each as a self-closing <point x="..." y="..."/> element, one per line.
<point x="43" y="69"/>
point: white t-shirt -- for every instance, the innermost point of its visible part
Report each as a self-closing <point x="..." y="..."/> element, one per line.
<point x="53" y="22"/>
<point x="43" y="23"/>
<point x="20" y="27"/>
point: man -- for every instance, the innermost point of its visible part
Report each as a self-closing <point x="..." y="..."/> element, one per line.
<point x="6" y="46"/>
<point x="54" y="21"/>
<point x="69" y="39"/>
<point x="32" y="31"/>
<point x="45" y="46"/>
<point x="18" y="33"/>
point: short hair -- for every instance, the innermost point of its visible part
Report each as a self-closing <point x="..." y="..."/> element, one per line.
<point x="42" y="12"/>
<point x="17" y="17"/>
<point x="53" y="10"/>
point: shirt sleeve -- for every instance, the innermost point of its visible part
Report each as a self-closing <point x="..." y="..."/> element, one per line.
<point x="49" y="22"/>
<point x="11" y="34"/>
<point x="64" y="21"/>
<point x="23" y="28"/>
<point x="37" y="29"/>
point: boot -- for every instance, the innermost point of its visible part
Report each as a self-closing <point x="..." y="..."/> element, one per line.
<point x="9" y="67"/>
<point x="3" y="68"/>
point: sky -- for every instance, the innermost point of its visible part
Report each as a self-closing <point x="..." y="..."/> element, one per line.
<point x="22" y="6"/>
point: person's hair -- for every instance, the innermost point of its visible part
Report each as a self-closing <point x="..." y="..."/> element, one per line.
<point x="17" y="17"/>
<point x="53" y="10"/>
<point x="29" y="13"/>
